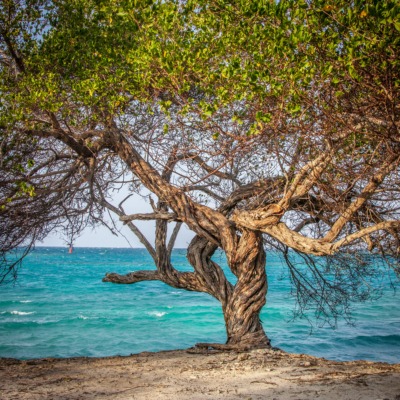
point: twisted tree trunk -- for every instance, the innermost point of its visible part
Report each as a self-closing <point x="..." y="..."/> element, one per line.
<point x="241" y="303"/>
<point x="242" y="310"/>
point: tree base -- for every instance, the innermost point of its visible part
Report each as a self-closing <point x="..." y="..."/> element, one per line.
<point x="233" y="347"/>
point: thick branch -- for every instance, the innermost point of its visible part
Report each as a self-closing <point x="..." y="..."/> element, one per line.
<point x="382" y="226"/>
<point x="67" y="139"/>
<point x="320" y="247"/>
<point x="306" y="178"/>
<point x="259" y="218"/>
<point x="297" y="241"/>
<point x="201" y="219"/>
<point x="209" y="273"/>
<point x="132" y="277"/>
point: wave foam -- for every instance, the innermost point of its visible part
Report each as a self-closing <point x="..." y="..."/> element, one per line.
<point x="21" y="313"/>
<point x="158" y="314"/>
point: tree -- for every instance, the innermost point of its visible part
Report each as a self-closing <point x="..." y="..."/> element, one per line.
<point x="258" y="125"/>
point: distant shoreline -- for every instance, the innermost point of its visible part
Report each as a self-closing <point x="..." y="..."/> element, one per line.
<point x="186" y="374"/>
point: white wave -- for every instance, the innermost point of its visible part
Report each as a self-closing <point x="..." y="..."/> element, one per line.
<point x="21" y="312"/>
<point x="25" y="301"/>
<point x="158" y="314"/>
<point x="80" y="316"/>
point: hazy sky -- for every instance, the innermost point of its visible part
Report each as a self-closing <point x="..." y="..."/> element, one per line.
<point x="102" y="237"/>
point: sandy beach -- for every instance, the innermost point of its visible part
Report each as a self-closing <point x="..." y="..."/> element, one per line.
<point x="188" y="374"/>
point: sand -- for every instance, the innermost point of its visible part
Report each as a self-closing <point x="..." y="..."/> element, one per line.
<point x="258" y="374"/>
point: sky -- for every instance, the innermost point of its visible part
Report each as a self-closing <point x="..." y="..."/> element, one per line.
<point x="102" y="237"/>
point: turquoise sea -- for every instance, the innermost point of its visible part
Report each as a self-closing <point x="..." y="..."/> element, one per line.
<point x="59" y="307"/>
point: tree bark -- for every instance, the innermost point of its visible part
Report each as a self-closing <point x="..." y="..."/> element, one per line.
<point x="242" y="310"/>
<point x="132" y="277"/>
<point x="241" y="303"/>
<point x="208" y="272"/>
<point x="201" y="219"/>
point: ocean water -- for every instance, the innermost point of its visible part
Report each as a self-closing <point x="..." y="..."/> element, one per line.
<point x="59" y="307"/>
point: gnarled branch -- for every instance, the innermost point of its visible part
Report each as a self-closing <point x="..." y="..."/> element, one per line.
<point x="320" y="247"/>
<point x="132" y="277"/>
<point x="306" y="178"/>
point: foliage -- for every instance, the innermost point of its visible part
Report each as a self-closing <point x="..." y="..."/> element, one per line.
<point x="243" y="119"/>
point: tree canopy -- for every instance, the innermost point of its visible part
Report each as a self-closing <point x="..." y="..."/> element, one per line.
<point x="258" y="124"/>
